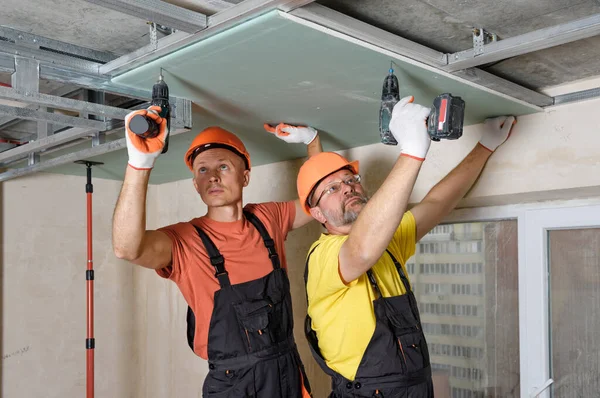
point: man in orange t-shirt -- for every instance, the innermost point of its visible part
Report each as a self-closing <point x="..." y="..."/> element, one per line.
<point x="229" y="264"/>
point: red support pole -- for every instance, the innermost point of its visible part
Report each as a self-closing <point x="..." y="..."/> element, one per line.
<point x="90" y="342"/>
<point x="90" y="302"/>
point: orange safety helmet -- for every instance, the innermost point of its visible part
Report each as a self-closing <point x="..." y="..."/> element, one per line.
<point x="216" y="137"/>
<point x="315" y="169"/>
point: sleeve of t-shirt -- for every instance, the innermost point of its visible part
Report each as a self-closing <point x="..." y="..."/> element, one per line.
<point x="182" y="247"/>
<point x="323" y="267"/>
<point x="281" y="214"/>
<point x="406" y="235"/>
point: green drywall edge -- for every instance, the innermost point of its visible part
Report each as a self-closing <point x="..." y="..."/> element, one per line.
<point x="271" y="69"/>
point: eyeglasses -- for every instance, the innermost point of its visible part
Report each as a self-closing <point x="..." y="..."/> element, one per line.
<point x="336" y="186"/>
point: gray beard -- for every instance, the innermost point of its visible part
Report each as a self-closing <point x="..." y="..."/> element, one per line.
<point x="346" y="217"/>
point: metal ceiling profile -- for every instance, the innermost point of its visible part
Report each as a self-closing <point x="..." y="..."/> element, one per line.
<point x="525" y="43"/>
<point x="30" y="58"/>
<point x="63" y="122"/>
<point x="159" y="12"/>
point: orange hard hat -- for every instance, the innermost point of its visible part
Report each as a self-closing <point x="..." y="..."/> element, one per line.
<point x="216" y="137"/>
<point x="315" y="169"/>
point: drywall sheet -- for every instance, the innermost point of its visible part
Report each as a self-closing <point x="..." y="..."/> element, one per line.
<point x="273" y="69"/>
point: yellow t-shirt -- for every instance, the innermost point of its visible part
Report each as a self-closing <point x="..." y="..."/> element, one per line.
<point x="342" y="315"/>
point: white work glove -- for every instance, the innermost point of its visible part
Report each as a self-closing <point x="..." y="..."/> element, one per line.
<point x="496" y="131"/>
<point x="144" y="151"/>
<point x="292" y="134"/>
<point x="409" y="128"/>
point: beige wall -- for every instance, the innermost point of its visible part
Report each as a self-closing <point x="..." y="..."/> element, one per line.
<point x="140" y="318"/>
<point x="43" y="307"/>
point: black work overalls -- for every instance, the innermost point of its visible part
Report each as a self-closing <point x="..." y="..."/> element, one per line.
<point x="251" y="347"/>
<point x="396" y="361"/>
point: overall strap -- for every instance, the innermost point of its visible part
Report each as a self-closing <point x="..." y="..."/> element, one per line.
<point x="374" y="283"/>
<point x="403" y="277"/>
<point x="411" y="297"/>
<point x="311" y="335"/>
<point x="269" y="243"/>
<point x="306" y="267"/>
<point x="216" y="259"/>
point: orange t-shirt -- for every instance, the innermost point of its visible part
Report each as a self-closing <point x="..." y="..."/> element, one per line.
<point x="246" y="257"/>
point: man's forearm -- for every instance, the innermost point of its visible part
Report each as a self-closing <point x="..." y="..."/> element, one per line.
<point x="129" y="219"/>
<point x="446" y="194"/>
<point x="314" y="147"/>
<point x="459" y="181"/>
<point x="377" y="222"/>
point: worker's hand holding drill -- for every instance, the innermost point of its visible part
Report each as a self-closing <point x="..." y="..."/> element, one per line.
<point x="496" y="131"/>
<point x="143" y="151"/>
<point x="292" y="134"/>
<point x="409" y="128"/>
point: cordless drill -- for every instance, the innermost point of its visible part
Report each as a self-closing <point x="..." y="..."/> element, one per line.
<point x="445" y="119"/>
<point x="147" y="127"/>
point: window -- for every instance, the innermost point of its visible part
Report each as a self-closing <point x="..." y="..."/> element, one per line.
<point x="474" y="341"/>
<point x="574" y="300"/>
<point x="559" y="243"/>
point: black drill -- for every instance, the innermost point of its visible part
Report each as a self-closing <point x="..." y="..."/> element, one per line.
<point x="445" y="119"/>
<point x="147" y="127"/>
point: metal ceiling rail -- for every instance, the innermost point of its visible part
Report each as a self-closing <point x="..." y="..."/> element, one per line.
<point x="30" y="40"/>
<point x="54" y="118"/>
<point x="54" y="101"/>
<point x="341" y="23"/>
<point x="49" y="57"/>
<point x="181" y="122"/>
<point x="577" y="96"/>
<point x="158" y="11"/>
<point x="58" y="140"/>
<point x="217" y="23"/>
<point x="69" y="74"/>
<point x="525" y="43"/>
<point x="90" y="81"/>
<point x="53" y="140"/>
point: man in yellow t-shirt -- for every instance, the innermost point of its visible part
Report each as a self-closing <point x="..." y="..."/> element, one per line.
<point x="363" y="323"/>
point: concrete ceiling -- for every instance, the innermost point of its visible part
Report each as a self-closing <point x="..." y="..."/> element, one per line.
<point x="446" y="26"/>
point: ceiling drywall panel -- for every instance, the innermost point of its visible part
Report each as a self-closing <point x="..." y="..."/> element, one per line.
<point x="273" y="69"/>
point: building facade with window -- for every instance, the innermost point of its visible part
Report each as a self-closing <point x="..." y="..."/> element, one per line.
<point x="448" y="275"/>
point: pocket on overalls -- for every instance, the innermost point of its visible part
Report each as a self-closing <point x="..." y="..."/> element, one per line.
<point x="255" y="319"/>
<point x="409" y="336"/>
<point x="229" y="383"/>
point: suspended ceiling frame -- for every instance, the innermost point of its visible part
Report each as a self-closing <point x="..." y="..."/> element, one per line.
<point x="94" y="70"/>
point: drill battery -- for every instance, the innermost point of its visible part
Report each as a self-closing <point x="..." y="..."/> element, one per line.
<point x="446" y="118"/>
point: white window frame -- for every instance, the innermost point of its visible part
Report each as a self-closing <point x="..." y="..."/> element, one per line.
<point x="534" y="220"/>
